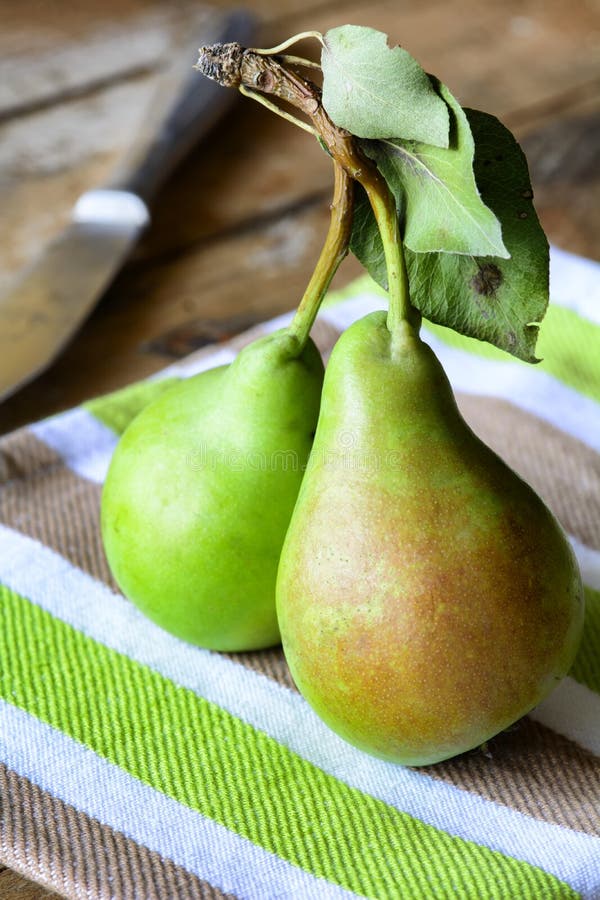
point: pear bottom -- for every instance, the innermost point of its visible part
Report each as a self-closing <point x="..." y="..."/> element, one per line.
<point x="427" y="598"/>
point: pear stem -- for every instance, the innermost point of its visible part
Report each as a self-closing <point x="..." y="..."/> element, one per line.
<point x="233" y="66"/>
<point x="333" y="252"/>
<point x="384" y="209"/>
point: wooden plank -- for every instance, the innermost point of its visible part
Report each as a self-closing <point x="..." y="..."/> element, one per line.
<point x="252" y="275"/>
<point x="501" y="57"/>
<point x="80" y="60"/>
<point x="71" y="109"/>
<point x="55" y="50"/>
<point x="563" y="156"/>
<point x="167" y="305"/>
<point x="223" y="207"/>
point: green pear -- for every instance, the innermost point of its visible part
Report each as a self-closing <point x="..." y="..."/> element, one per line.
<point x="201" y="489"/>
<point x="426" y="596"/>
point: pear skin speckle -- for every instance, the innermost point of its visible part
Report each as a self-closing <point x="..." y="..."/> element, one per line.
<point x="429" y="600"/>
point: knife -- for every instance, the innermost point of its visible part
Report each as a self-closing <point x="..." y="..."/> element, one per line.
<point x="51" y="299"/>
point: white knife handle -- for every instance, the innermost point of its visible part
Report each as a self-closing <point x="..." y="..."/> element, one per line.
<point x="111" y="207"/>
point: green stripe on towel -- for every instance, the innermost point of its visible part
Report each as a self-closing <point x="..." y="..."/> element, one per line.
<point x="569" y="347"/>
<point x="201" y="756"/>
<point x="116" y="410"/>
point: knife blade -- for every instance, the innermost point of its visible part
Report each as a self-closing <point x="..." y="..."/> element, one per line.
<point x="43" y="309"/>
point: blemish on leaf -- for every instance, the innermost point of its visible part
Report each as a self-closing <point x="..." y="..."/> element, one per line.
<point x="527" y="194"/>
<point x="487" y="280"/>
<point x="523" y="215"/>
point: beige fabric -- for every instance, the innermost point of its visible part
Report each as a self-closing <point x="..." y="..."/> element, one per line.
<point x="61" y="509"/>
<point x="78" y="857"/>
<point x="563" y="471"/>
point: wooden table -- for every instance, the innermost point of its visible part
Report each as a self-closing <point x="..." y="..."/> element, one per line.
<point x="237" y="230"/>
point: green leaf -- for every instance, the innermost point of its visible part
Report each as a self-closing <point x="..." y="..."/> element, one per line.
<point x="436" y="189"/>
<point x="497" y="300"/>
<point x="377" y="92"/>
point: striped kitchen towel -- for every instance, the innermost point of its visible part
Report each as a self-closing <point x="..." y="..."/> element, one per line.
<point x="133" y="765"/>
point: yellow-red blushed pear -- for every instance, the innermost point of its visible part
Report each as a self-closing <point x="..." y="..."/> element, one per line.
<point x="427" y="598"/>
